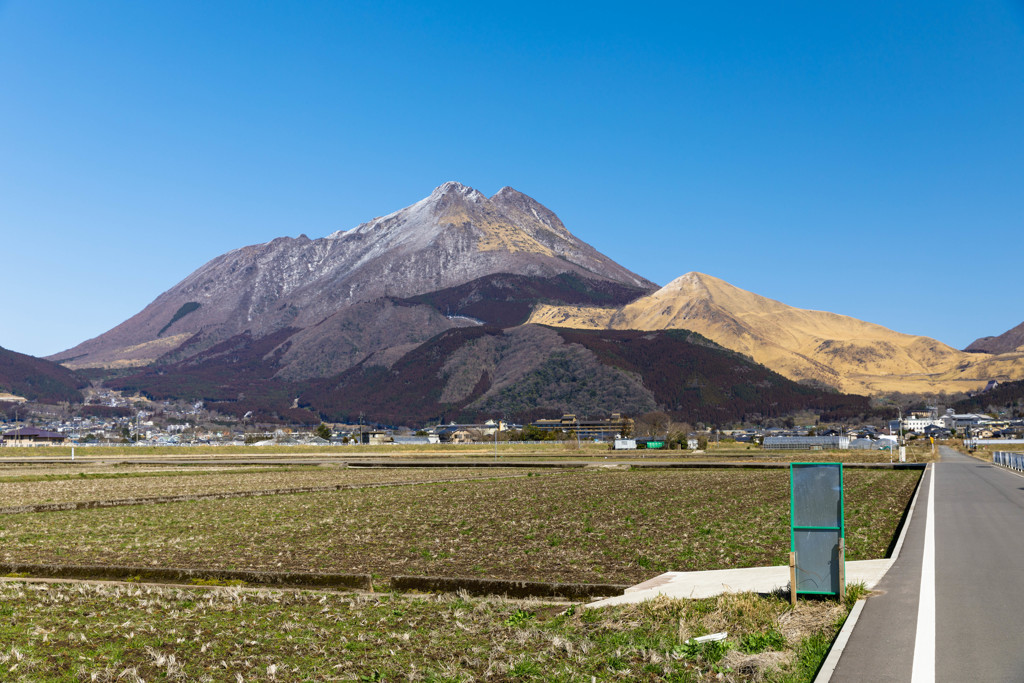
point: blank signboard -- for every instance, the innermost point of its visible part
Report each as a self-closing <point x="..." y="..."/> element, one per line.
<point x="816" y="525"/>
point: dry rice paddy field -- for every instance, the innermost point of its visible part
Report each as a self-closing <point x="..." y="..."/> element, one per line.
<point x="595" y="525"/>
<point x="38" y="486"/>
<point x="581" y="526"/>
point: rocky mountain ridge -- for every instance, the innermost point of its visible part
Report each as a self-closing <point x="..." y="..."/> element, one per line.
<point x="453" y="236"/>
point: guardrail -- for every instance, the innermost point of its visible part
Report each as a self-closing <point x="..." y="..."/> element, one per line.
<point x="1013" y="461"/>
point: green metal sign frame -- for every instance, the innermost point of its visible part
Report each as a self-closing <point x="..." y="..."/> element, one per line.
<point x="794" y="528"/>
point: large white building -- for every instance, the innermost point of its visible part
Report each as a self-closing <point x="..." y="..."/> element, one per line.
<point x="918" y="424"/>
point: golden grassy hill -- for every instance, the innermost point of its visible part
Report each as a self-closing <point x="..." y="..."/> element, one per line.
<point x="850" y="354"/>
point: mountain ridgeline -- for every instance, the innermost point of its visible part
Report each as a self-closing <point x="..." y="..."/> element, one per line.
<point x="462" y="306"/>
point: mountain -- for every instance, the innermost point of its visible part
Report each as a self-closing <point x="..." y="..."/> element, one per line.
<point x="322" y="288"/>
<point x="814" y="346"/>
<point x="37" y="379"/>
<point x="1007" y="342"/>
<point x="478" y="371"/>
<point x="463" y="304"/>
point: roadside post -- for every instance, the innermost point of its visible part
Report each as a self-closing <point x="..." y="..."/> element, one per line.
<point x="817" y="556"/>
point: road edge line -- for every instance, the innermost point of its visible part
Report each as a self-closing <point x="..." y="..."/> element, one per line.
<point x="828" y="667"/>
<point x="923" y="670"/>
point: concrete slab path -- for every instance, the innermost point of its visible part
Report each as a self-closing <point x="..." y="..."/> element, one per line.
<point x="708" y="584"/>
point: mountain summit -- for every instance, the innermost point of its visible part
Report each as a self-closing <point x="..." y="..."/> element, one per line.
<point x="452" y="237"/>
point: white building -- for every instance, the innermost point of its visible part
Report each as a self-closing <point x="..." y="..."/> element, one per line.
<point x="918" y="424"/>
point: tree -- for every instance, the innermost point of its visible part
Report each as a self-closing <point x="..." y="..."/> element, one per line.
<point x="652" y="424"/>
<point x="678" y="434"/>
<point x="323" y="431"/>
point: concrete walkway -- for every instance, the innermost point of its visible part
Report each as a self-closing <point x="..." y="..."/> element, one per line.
<point x="708" y="584"/>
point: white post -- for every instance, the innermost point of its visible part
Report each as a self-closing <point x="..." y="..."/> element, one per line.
<point x="72" y="454"/>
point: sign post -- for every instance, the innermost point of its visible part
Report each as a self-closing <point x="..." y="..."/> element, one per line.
<point x="818" y="555"/>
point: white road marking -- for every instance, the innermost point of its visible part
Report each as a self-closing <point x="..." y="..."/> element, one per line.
<point x="924" y="641"/>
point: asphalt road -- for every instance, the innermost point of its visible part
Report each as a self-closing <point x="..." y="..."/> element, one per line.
<point x="972" y="623"/>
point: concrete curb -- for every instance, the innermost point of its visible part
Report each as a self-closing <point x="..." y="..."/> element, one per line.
<point x="828" y="667"/>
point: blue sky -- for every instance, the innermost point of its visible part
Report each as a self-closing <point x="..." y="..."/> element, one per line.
<point x="864" y="158"/>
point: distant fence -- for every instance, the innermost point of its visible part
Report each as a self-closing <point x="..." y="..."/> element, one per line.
<point x="971" y="444"/>
<point x="1013" y="461"/>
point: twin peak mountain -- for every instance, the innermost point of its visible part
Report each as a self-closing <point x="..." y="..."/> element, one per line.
<point x="460" y="265"/>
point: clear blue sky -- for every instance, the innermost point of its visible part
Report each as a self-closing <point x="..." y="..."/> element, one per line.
<point x="865" y="158"/>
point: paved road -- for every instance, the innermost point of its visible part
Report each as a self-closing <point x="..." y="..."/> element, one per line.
<point x="969" y="627"/>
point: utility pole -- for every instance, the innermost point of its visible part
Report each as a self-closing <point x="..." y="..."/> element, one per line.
<point x="899" y="434"/>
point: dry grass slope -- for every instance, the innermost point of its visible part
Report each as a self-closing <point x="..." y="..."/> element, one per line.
<point x="850" y="354"/>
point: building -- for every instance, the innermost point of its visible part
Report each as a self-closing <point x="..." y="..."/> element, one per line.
<point x="484" y="429"/>
<point x="30" y="436"/>
<point x="811" y="443"/>
<point x="375" y="438"/>
<point x="952" y="420"/>
<point x="916" y="423"/>
<point x="613" y="427"/>
<point x="455" y="434"/>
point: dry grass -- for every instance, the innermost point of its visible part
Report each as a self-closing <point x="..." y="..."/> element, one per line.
<point x="600" y="527"/>
<point x="75" y="632"/>
<point x="38" y="488"/>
